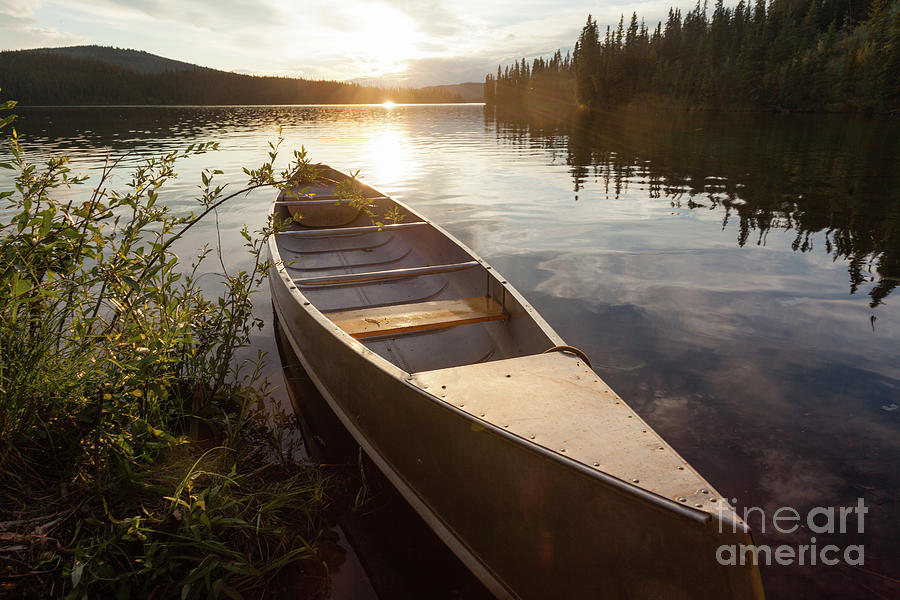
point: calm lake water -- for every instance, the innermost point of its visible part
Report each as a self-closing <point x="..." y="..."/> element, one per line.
<point x="732" y="277"/>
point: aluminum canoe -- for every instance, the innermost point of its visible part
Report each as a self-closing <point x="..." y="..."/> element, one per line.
<point x="535" y="473"/>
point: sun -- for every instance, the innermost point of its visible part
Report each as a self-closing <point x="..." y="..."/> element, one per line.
<point x="383" y="40"/>
<point x="365" y="42"/>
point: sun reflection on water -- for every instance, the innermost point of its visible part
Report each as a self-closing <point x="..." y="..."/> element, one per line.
<point x="391" y="156"/>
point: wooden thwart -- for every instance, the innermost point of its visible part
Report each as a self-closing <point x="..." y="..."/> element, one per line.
<point x="421" y="316"/>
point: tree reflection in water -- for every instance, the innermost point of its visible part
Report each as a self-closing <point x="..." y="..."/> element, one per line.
<point x="832" y="180"/>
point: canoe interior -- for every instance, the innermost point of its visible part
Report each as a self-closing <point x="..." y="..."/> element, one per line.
<point x="413" y="269"/>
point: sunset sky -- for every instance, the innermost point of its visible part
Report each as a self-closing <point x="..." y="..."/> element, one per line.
<point x="401" y="42"/>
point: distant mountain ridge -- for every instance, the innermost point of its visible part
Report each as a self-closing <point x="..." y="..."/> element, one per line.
<point x="81" y="75"/>
<point x="469" y="91"/>
<point x="135" y="60"/>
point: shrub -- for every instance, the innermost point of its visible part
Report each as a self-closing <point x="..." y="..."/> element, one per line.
<point x="116" y="377"/>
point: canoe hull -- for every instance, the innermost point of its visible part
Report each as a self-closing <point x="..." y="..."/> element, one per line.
<point x="527" y="522"/>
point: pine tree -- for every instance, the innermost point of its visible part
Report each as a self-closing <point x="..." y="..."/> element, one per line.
<point x="585" y="60"/>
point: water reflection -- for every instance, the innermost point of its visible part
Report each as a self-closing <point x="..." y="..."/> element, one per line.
<point x="391" y="155"/>
<point x="833" y="181"/>
<point x="708" y="296"/>
<point x="700" y="260"/>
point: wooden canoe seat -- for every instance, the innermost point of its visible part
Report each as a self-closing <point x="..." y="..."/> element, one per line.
<point x="420" y="316"/>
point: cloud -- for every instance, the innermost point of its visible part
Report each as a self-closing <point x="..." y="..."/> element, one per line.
<point x="18" y="9"/>
<point x="436" y="19"/>
<point x="409" y="42"/>
<point x="19" y="29"/>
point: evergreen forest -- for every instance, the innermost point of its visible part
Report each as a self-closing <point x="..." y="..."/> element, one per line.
<point x="784" y="55"/>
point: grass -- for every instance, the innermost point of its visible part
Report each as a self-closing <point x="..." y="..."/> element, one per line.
<point x="131" y="462"/>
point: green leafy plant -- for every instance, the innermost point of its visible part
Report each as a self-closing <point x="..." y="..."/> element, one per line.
<point x="219" y="533"/>
<point x="116" y="373"/>
<point x="306" y="171"/>
<point x="350" y="190"/>
<point x="394" y="215"/>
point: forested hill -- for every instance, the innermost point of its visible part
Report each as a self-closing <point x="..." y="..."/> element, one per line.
<point x="91" y="76"/>
<point x="804" y="55"/>
<point x="135" y="60"/>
